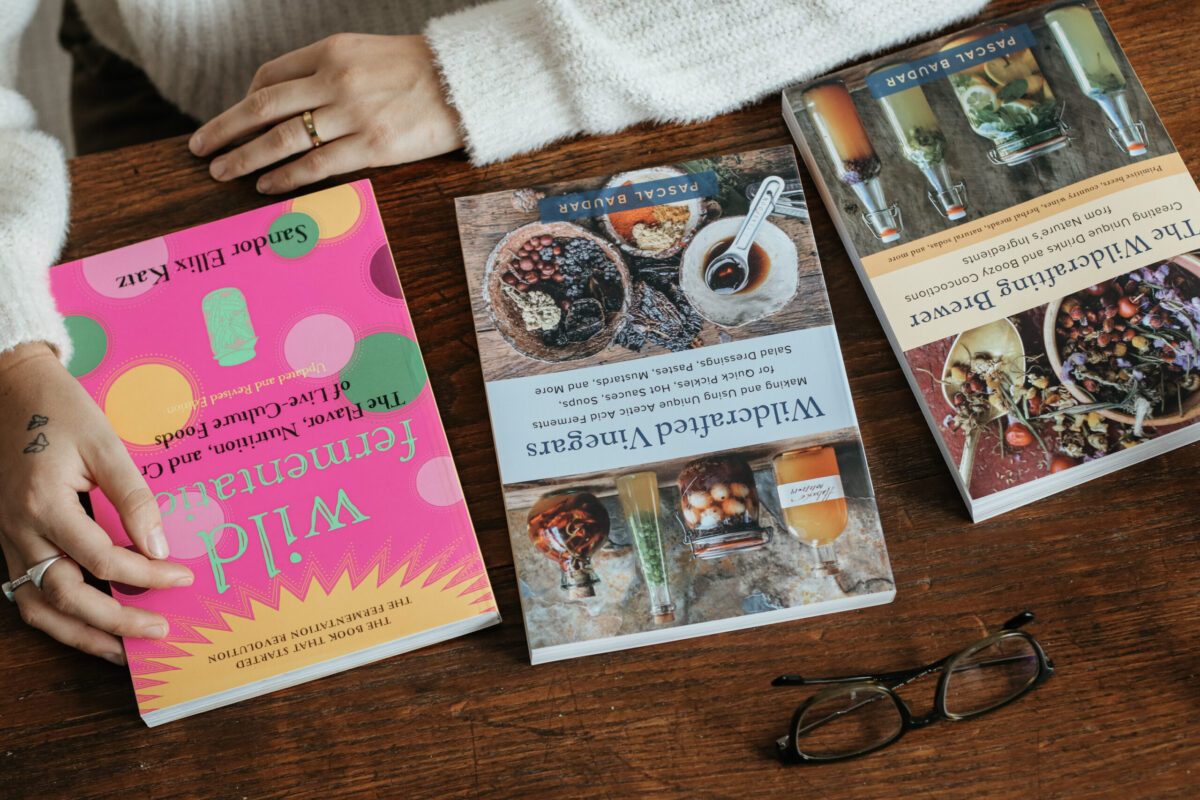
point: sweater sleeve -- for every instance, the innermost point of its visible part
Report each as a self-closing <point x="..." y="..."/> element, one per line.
<point x="33" y="207"/>
<point x="524" y="73"/>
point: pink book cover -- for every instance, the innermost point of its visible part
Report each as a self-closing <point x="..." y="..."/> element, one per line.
<point x="264" y="374"/>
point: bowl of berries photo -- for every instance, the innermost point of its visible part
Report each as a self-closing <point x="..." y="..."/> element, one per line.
<point x="555" y="291"/>
<point x="1129" y="347"/>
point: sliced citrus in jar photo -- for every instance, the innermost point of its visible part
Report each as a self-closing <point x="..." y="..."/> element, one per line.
<point x="1021" y="112"/>
<point x="978" y="96"/>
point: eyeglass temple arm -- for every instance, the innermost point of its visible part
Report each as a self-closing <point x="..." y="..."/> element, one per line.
<point x="1020" y="620"/>
<point x="900" y="677"/>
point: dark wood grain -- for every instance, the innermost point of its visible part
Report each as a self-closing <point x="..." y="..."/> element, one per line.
<point x="1112" y="568"/>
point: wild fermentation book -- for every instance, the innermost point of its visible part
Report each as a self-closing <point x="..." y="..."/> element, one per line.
<point x="264" y="374"/>
<point x="673" y="425"/>
<point x="1027" y="234"/>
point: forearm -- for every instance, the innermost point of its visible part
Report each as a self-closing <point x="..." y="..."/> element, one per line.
<point x="524" y="73"/>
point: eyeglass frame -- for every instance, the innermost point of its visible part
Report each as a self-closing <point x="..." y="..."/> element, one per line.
<point x="889" y="682"/>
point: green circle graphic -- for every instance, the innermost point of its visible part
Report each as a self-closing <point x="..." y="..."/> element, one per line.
<point x="293" y="235"/>
<point x="90" y="343"/>
<point x="385" y="373"/>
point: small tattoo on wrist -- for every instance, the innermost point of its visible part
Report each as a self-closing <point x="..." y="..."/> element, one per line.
<point x="37" y="421"/>
<point x="37" y="445"/>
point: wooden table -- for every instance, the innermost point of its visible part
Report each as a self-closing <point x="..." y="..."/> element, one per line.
<point x="1111" y="568"/>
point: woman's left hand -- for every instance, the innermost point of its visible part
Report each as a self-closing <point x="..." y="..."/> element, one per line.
<point x="375" y="101"/>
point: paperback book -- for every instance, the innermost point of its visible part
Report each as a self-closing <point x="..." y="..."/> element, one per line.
<point x="264" y="375"/>
<point x="673" y="424"/>
<point x="1027" y="234"/>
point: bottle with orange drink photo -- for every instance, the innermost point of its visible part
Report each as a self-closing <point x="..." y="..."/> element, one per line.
<point x="855" y="162"/>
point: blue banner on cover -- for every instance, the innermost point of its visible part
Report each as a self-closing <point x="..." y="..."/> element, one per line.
<point x="623" y="198"/>
<point x="939" y="65"/>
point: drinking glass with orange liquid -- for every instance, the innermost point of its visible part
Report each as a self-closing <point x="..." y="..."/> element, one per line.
<point x="813" y="500"/>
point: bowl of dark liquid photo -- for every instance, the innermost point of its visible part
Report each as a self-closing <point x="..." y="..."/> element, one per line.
<point x="767" y="288"/>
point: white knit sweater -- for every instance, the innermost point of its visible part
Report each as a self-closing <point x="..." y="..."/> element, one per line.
<point x="521" y="73"/>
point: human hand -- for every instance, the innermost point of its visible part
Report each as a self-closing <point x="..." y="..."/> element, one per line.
<point x="375" y="101"/>
<point x="54" y="442"/>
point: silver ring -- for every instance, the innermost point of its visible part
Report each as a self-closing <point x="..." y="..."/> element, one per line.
<point x="33" y="575"/>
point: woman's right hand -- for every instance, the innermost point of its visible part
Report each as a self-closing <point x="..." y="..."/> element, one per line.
<point x="54" y="442"/>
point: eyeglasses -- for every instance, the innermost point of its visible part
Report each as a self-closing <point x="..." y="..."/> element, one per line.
<point x="862" y="714"/>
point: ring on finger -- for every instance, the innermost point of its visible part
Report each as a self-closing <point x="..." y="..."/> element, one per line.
<point x="311" y="128"/>
<point x="34" y="575"/>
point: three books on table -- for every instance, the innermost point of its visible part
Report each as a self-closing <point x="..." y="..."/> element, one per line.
<point x="677" y="443"/>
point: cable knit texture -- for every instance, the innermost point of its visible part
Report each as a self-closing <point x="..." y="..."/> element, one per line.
<point x="33" y="207"/>
<point x="524" y="73"/>
<point x="521" y="73"/>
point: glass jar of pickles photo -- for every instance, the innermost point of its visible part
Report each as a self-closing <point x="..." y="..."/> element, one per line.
<point x="1009" y="101"/>
<point x="719" y="507"/>
<point x="568" y="527"/>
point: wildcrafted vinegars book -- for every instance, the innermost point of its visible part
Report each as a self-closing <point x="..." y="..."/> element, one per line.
<point x="675" y="433"/>
<point x="1027" y="234"/>
<point x="264" y="374"/>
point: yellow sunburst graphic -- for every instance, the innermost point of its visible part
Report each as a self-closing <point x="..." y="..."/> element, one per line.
<point x="301" y="633"/>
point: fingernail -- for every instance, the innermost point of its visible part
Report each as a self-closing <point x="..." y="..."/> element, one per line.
<point x="183" y="580"/>
<point x="264" y="185"/>
<point x="156" y="543"/>
<point x="219" y="168"/>
<point x="115" y="658"/>
<point x="155" y="631"/>
<point x="196" y="143"/>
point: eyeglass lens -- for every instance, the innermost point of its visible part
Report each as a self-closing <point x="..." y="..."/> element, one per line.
<point x="861" y="718"/>
<point x="983" y="678"/>
<point x="849" y="723"/>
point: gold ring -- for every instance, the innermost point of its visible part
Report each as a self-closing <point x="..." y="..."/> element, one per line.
<point x="311" y="128"/>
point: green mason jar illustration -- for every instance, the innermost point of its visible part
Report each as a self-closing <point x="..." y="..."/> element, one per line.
<point x="229" y="330"/>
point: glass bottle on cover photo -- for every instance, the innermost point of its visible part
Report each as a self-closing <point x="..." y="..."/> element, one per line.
<point x="638" y="493"/>
<point x="813" y="501"/>
<point x="1008" y="101"/>
<point x="1096" y="71"/>
<point x="841" y="130"/>
<point x="923" y="143"/>
<point x="719" y="507"/>
<point x="568" y="527"/>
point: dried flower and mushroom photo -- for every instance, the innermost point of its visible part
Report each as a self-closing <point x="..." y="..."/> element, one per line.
<point x="1090" y="374"/>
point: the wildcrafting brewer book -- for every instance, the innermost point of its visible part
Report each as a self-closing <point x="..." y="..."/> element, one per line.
<point x="673" y="425"/>
<point x="1027" y="234"/>
<point x="264" y="374"/>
